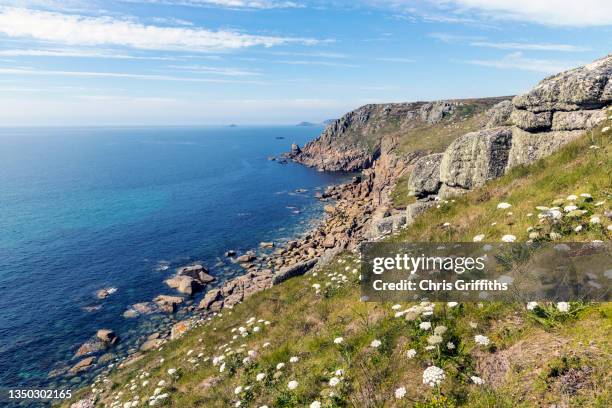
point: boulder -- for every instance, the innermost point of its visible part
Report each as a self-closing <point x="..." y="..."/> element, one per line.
<point x="180" y="328"/>
<point x="211" y="296"/>
<point x="293" y="271"/>
<point x="151" y="344"/>
<point x="89" y="347"/>
<point x="230" y="253"/>
<point x="586" y="87"/>
<point x="388" y="224"/>
<point x="475" y="158"/>
<point x="89" y="402"/>
<point x="266" y="244"/>
<point x="531" y="121"/>
<point x="167" y="303"/>
<point x="499" y="114"/>
<point x="247" y="257"/>
<point x="107" y="336"/>
<point x="185" y="284"/>
<point x="584" y="119"/>
<point x="415" y="209"/>
<point x="82" y="365"/>
<point x="529" y="147"/>
<point x="329" y="241"/>
<point x="197" y="272"/>
<point x="425" y="176"/>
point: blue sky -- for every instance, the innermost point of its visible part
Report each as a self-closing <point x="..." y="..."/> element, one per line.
<point x="185" y="62"/>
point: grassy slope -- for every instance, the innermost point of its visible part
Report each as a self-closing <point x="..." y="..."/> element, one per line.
<point x="542" y="360"/>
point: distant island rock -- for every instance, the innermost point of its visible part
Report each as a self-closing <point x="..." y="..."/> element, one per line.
<point x="233" y="125"/>
<point x="306" y="124"/>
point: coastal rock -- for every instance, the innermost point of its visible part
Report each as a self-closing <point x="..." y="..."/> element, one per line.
<point x="586" y="87"/>
<point x="180" y="328"/>
<point x="415" y="209"/>
<point x="528" y="147"/>
<point x="107" y="336"/>
<point x="197" y="272"/>
<point x="585" y="119"/>
<point x="293" y="271"/>
<point x="230" y="253"/>
<point x="151" y="344"/>
<point x="185" y="284"/>
<point x="104" y="293"/>
<point x="499" y="114"/>
<point x="82" y="365"/>
<point x="167" y="303"/>
<point x="247" y="257"/>
<point x="388" y="224"/>
<point x="329" y="241"/>
<point x="266" y="244"/>
<point x="211" y="296"/>
<point x="475" y="158"/>
<point x="531" y="121"/>
<point x="425" y="176"/>
<point x="89" y="347"/>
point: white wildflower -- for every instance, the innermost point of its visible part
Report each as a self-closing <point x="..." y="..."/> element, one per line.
<point x="433" y="376"/>
<point x="571" y="197"/>
<point x="334" y="381"/>
<point x="280" y="366"/>
<point x="452" y="304"/>
<point x="425" y="325"/>
<point x="171" y="371"/>
<point x="339" y="340"/>
<point x="504" y="206"/>
<point x="508" y="238"/>
<point x="400" y="392"/>
<point x="238" y="390"/>
<point x="450" y="345"/>
<point x="294" y="359"/>
<point x="435" y="339"/>
<point x="315" y="404"/>
<point x="532" y="305"/>
<point x="440" y="330"/>
<point x="595" y="220"/>
<point x="411" y="353"/>
<point x="477" y="380"/>
<point x="482" y="340"/>
<point x="563" y="307"/>
<point x="375" y="343"/>
<point x="292" y="385"/>
<point x="260" y="376"/>
<point x="396" y="307"/>
<point x="478" y="238"/>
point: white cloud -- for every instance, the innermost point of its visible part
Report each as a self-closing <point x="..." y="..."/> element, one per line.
<point x="235" y="4"/>
<point x="101" y="74"/>
<point x="393" y="59"/>
<point x="76" y="53"/>
<point x="577" y="13"/>
<point x="203" y="69"/>
<point x="529" y="46"/>
<point x="92" y="31"/>
<point x="315" y="62"/>
<point x="518" y="61"/>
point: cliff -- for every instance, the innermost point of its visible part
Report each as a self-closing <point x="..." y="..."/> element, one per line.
<point x="355" y="141"/>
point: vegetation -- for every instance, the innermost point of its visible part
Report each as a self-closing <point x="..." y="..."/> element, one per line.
<point x="343" y="352"/>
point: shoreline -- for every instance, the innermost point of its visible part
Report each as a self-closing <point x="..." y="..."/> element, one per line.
<point x="171" y="317"/>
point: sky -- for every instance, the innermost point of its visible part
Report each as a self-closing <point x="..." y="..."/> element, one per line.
<point x="216" y="62"/>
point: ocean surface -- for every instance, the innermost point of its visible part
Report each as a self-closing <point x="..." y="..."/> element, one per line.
<point x="88" y="208"/>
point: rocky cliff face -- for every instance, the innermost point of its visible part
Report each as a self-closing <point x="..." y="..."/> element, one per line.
<point x="559" y="109"/>
<point x="355" y="141"/>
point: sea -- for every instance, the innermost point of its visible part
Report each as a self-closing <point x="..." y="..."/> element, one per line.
<point x="86" y="208"/>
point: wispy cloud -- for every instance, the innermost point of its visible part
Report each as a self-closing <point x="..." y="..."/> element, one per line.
<point x="232" y="4"/>
<point x="82" y="30"/>
<point x="529" y="46"/>
<point x="315" y="62"/>
<point x="547" y="12"/>
<point x="393" y="59"/>
<point x="505" y="45"/>
<point x="63" y="53"/>
<point x="203" y="69"/>
<point x="518" y="61"/>
<point x="102" y="74"/>
<point x="322" y="54"/>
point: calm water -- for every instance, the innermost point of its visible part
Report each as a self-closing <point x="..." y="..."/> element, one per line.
<point x="87" y="208"/>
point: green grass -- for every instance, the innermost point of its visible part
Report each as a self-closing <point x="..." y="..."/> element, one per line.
<point x="304" y="323"/>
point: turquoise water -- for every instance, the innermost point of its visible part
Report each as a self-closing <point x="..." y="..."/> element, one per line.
<point x="86" y="208"/>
